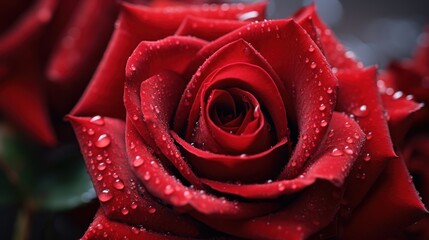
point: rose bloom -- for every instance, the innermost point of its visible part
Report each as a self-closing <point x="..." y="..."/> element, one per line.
<point x="261" y="130"/>
<point x="48" y="51"/>
<point x="411" y="78"/>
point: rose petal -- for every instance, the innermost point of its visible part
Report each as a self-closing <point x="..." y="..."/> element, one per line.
<point x="359" y="96"/>
<point x="244" y="76"/>
<point x="303" y="72"/>
<point x="245" y="168"/>
<point x="169" y="189"/>
<point x="27" y="27"/>
<point x="399" y="111"/>
<point x="249" y="134"/>
<point x="137" y="23"/>
<point x="207" y="29"/>
<point x="159" y="96"/>
<point x="331" y="163"/>
<point x="22" y="98"/>
<point x="237" y="51"/>
<point x="101" y="227"/>
<point x="79" y="49"/>
<point x="148" y="59"/>
<point x="121" y="195"/>
<point x="307" y="214"/>
<point x="335" y="52"/>
<point x="392" y="205"/>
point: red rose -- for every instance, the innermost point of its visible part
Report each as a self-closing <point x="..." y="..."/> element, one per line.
<point x="411" y="79"/>
<point x="48" y="52"/>
<point x="238" y="129"/>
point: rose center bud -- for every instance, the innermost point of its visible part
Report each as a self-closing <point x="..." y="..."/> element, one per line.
<point x="234" y="111"/>
<point x="236" y="123"/>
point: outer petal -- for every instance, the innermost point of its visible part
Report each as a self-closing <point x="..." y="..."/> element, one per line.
<point x="392" y="204"/>
<point x="79" y="49"/>
<point x="331" y="163"/>
<point x="304" y="72"/>
<point x="358" y="96"/>
<point x="137" y="24"/>
<point x="26" y="28"/>
<point x="163" y="185"/>
<point x="335" y="52"/>
<point x="207" y="29"/>
<point x="122" y="196"/>
<point x="310" y="212"/>
<point x="399" y="109"/>
<point x="103" y="228"/>
<point x="22" y="98"/>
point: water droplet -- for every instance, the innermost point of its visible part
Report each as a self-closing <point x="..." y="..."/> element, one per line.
<point x="281" y="187"/>
<point x="397" y="95"/>
<point x="99" y="226"/>
<point x="331" y="133"/>
<point x="361" y="111"/>
<point x="349" y="140"/>
<point x="101" y="166"/>
<point x="97" y="120"/>
<point x="135" y="117"/>
<point x="103" y="141"/>
<point x="311" y="48"/>
<point x="369" y="136"/>
<point x="367" y="157"/>
<point x="323" y="123"/>
<point x="99" y="177"/>
<point x="133" y="205"/>
<point x="125" y="211"/>
<point x="118" y="184"/>
<point x="135" y="230"/>
<point x="322" y="107"/>
<point x="347" y="125"/>
<point x="152" y="210"/>
<point x="348" y="150"/>
<point x="105" y="195"/>
<point x="146" y="176"/>
<point x="307" y="60"/>
<point x="99" y="157"/>
<point x="313" y="65"/>
<point x="168" y="190"/>
<point x="329" y="90"/>
<point x="138" y="161"/>
<point x="91" y="132"/>
<point x="336" y="152"/>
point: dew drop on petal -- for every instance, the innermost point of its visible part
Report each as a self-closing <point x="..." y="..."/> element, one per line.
<point x="323" y="123"/>
<point x="397" y="95"/>
<point x="322" y="107"/>
<point x="168" y="190"/>
<point x="125" y="211"/>
<point x="348" y="150"/>
<point x="361" y="111"/>
<point x="97" y="120"/>
<point x="367" y="157"/>
<point x="118" y="184"/>
<point x="369" y="136"/>
<point x="101" y="166"/>
<point x="138" y="161"/>
<point x="336" y="152"/>
<point x="152" y="210"/>
<point x="105" y="195"/>
<point x="91" y="132"/>
<point x="133" y="205"/>
<point x="311" y="48"/>
<point x="313" y="65"/>
<point x="103" y="141"/>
